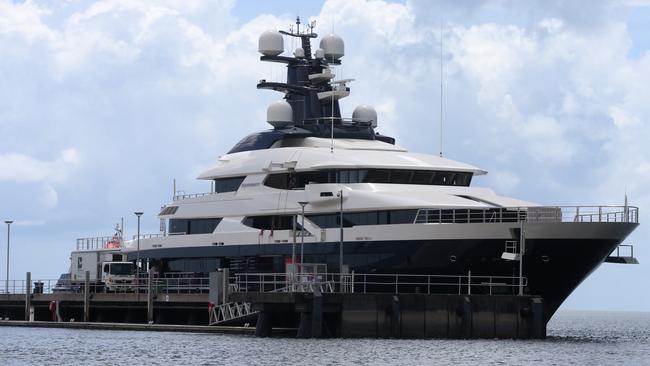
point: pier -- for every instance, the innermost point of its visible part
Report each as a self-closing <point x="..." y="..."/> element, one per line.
<point x="304" y="305"/>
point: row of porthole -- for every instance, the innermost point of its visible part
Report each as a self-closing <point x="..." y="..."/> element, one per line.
<point x="544" y="258"/>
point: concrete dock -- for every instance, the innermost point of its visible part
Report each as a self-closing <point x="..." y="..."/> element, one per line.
<point x="132" y="326"/>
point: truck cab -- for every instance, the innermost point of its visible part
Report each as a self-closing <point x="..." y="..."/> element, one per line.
<point x="118" y="276"/>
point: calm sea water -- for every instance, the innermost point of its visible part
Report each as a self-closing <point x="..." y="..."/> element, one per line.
<point x="575" y="338"/>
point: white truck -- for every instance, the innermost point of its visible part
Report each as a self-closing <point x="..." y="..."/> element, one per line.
<point x="109" y="270"/>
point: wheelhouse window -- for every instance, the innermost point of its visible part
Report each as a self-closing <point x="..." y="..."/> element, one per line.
<point x="193" y="226"/>
<point x="227" y="184"/>
<point x="298" y="180"/>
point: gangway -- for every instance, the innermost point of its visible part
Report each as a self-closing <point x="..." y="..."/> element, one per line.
<point x="231" y="311"/>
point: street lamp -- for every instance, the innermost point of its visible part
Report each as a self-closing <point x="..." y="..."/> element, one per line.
<point x="302" y="233"/>
<point x="137" y="262"/>
<point x="340" y="195"/>
<point x="8" y="222"/>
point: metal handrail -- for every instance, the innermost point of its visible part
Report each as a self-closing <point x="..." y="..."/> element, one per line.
<point x="161" y="285"/>
<point x="630" y="248"/>
<point x="192" y="195"/>
<point x="99" y="242"/>
<point x="374" y="283"/>
<point x="532" y="214"/>
<point x="150" y="236"/>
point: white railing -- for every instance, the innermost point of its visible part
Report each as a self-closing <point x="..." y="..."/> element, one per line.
<point x="379" y="283"/>
<point x="168" y="284"/>
<point x="99" y="242"/>
<point x="180" y="197"/>
<point x="150" y="236"/>
<point x="535" y="214"/>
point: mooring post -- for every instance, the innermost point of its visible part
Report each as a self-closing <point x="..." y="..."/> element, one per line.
<point x="28" y="295"/>
<point x="150" y="297"/>
<point x="467" y="318"/>
<point x="317" y="315"/>
<point x="395" y="318"/>
<point x="539" y="325"/>
<point x="87" y="297"/>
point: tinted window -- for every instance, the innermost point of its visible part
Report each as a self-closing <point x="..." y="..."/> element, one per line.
<point x="193" y="226"/>
<point x="271" y="222"/>
<point x="422" y="177"/>
<point x="227" y="184"/>
<point x="397" y="176"/>
<point x="401" y="176"/>
<point x="377" y="176"/>
<point x="350" y="219"/>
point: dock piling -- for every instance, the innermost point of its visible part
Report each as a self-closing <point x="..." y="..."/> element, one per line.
<point x="28" y="295"/>
<point x="150" y="297"/>
<point x="87" y="297"/>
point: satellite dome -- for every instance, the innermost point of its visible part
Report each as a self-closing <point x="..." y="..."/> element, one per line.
<point x="365" y="113"/>
<point x="271" y="43"/>
<point x="333" y="47"/>
<point x="320" y="53"/>
<point x="299" y="52"/>
<point x="279" y="114"/>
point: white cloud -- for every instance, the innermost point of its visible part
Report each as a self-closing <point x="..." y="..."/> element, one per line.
<point x="16" y="167"/>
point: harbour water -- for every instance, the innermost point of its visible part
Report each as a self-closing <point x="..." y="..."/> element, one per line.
<point x="574" y="338"/>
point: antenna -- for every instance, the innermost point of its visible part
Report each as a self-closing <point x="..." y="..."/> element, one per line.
<point x="440" y="89"/>
<point x="332" y="128"/>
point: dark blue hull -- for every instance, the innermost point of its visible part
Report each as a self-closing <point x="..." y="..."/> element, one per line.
<point x="554" y="267"/>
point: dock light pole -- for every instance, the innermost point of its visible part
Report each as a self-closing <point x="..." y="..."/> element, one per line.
<point x="302" y="233"/>
<point x="8" y="222"/>
<point x="137" y="262"/>
<point x="293" y="254"/>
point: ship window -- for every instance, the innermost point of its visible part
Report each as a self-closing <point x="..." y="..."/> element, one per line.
<point x="169" y="210"/>
<point x="279" y="181"/>
<point x="350" y="219"/>
<point x="298" y="180"/>
<point x="271" y="222"/>
<point x="227" y="184"/>
<point x="400" y="176"/>
<point x="378" y="176"/>
<point x="422" y="177"/>
<point x="193" y="226"/>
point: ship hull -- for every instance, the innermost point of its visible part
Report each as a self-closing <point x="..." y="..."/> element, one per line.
<point x="553" y="265"/>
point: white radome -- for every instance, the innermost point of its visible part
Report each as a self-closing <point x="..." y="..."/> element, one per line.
<point x="271" y="43"/>
<point x="365" y="113"/>
<point x="279" y="114"/>
<point x="333" y="47"/>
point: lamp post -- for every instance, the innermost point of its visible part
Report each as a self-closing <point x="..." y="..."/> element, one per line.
<point x="8" y="222"/>
<point x="137" y="262"/>
<point x="293" y="254"/>
<point x="340" y="195"/>
<point x="302" y="233"/>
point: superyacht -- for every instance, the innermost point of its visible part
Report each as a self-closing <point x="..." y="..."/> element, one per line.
<point x="348" y="192"/>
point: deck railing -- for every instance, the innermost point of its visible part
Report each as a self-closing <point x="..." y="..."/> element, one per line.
<point x="377" y="283"/>
<point x="99" y="242"/>
<point x="169" y="284"/>
<point x="534" y="214"/>
<point x="179" y="197"/>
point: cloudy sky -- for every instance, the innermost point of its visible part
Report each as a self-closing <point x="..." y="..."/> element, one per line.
<point x="103" y="104"/>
